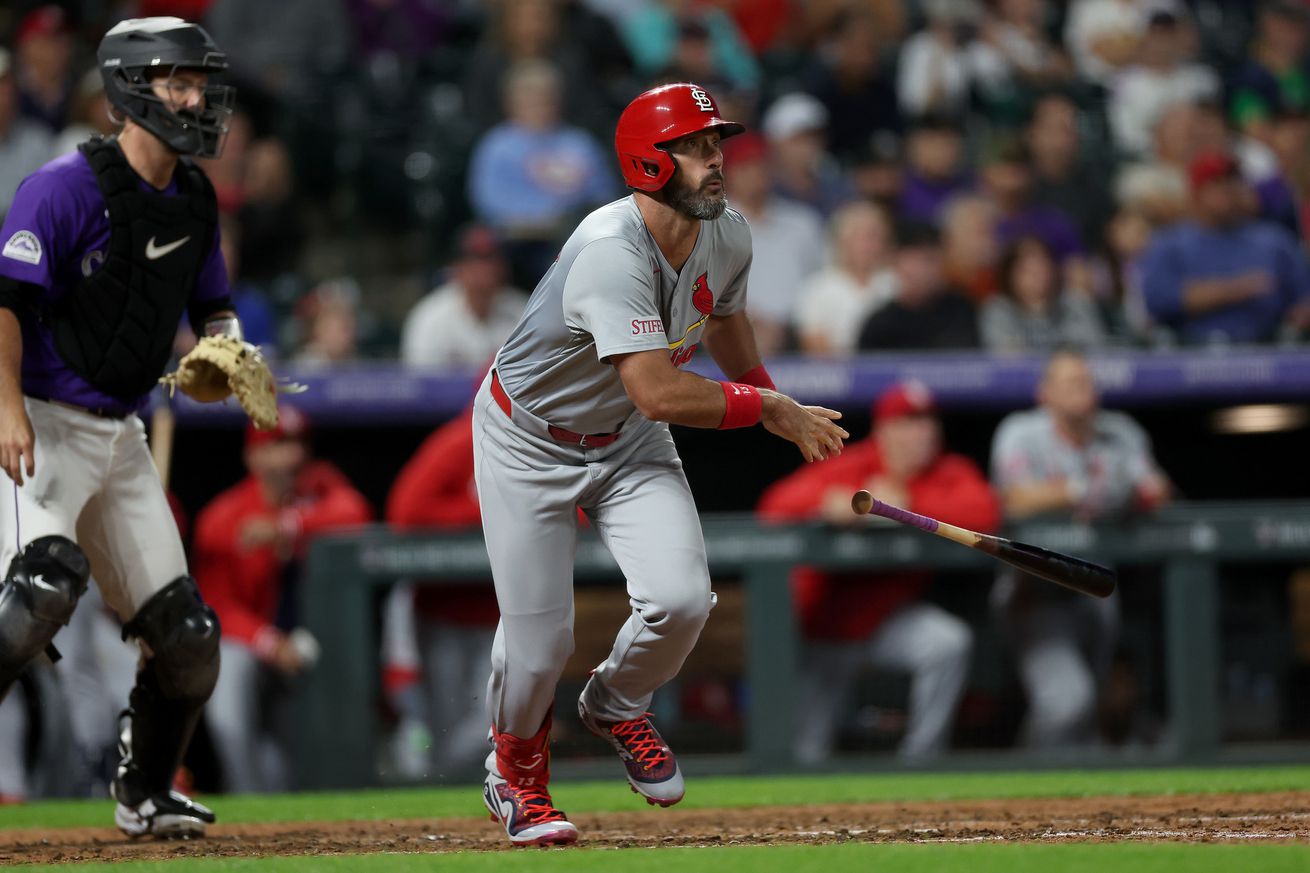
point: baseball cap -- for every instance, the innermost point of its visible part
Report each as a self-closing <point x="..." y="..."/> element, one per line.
<point x="792" y="114"/>
<point x="746" y="148"/>
<point x="41" y="21"/>
<point x="1210" y="167"/>
<point x="479" y="242"/>
<point x="911" y="397"/>
<point x="292" y="424"/>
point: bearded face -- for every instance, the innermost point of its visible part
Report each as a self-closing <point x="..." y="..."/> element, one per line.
<point x="705" y="202"/>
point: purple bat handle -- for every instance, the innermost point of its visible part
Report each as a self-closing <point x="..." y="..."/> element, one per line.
<point x="904" y="516"/>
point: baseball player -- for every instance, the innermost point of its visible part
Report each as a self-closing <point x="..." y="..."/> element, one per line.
<point x="575" y="414"/>
<point x="104" y="250"/>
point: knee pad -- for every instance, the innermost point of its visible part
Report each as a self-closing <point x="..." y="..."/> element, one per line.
<point x="181" y="635"/>
<point x="40" y="592"/>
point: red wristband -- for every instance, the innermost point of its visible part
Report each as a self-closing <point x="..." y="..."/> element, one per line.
<point x="744" y="405"/>
<point x="759" y="377"/>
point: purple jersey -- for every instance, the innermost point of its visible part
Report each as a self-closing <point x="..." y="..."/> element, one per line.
<point x="55" y="235"/>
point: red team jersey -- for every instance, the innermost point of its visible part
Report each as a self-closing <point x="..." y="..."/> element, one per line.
<point x="850" y="606"/>
<point x="244" y="586"/>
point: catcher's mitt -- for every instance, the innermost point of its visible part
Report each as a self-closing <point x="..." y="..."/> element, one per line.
<point x="220" y="366"/>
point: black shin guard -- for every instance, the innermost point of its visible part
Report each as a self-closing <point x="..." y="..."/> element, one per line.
<point x="176" y="678"/>
<point x="37" y="598"/>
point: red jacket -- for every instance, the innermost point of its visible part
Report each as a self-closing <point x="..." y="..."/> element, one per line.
<point x="243" y="587"/>
<point x="850" y="606"/>
<point x="435" y="490"/>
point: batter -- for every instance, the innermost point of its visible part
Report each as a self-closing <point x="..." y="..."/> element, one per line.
<point x="575" y="414"/>
<point x="104" y="251"/>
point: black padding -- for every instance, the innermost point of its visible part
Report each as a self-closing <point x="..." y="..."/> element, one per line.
<point x="181" y="635"/>
<point x="40" y="592"/>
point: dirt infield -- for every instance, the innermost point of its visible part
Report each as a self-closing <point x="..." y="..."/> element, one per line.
<point x="1235" y="817"/>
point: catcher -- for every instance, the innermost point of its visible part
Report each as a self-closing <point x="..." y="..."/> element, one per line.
<point x="104" y="250"/>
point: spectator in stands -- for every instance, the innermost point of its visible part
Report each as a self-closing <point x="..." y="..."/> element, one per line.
<point x="925" y="313"/>
<point x="88" y="114"/>
<point x="328" y="323"/>
<point x="1104" y="36"/>
<point x="936" y="72"/>
<point x="788" y="240"/>
<point x="1035" y="312"/>
<point x="1065" y="176"/>
<point x="796" y="127"/>
<point x="528" y="32"/>
<point x="283" y="49"/>
<point x="1159" y="77"/>
<point x="258" y="319"/>
<point x="1066" y="458"/>
<point x="652" y="37"/>
<point x="853" y="84"/>
<point x="249" y="543"/>
<point x="936" y="171"/>
<point x="1276" y="73"/>
<point x="1223" y="277"/>
<point x="878" y="174"/>
<point x="1014" y="51"/>
<point x="692" y="59"/>
<point x="43" y="55"/>
<point x="1117" y="278"/>
<point x="1008" y="181"/>
<point x="227" y="172"/>
<point x="529" y="175"/>
<point x="814" y="20"/>
<point x="835" y="302"/>
<point x="436" y="679"/>
<point x="409" y="30"/>
<point x="850" y="620"/>
<point x="24" y="144"/>
<point x="273" y="227"/>
<point x="1281" y="189"/>
<point x="463" y="322"/>
<point x="970" y="245"/>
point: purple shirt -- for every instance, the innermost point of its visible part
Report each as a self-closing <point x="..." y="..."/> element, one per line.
<point x="56" y="234"/>
<point x="1048" y="224"/>
<point x="924" y="199"/>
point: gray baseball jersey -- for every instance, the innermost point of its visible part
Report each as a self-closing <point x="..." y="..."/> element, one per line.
<point x="611" y="291"/>
<point x="1107" y="470"/>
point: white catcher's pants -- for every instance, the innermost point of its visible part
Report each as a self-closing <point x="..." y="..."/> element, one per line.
<point x="96" y="484"/>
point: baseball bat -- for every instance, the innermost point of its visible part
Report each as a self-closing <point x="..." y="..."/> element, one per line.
<point x="1075" y="573"/>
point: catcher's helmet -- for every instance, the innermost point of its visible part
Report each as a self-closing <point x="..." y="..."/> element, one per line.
<point x="134" y="48"/>
<point x="656" y="118"/>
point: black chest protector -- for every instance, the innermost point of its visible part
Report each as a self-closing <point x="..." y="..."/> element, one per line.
<point x="116" y="328"/>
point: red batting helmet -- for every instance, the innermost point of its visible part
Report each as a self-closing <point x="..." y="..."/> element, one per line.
<point x="656" y="118"/>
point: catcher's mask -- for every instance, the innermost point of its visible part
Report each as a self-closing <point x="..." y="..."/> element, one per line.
<point x="137" y="53"/>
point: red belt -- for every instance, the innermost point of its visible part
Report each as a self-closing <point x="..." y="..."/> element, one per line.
<point x="585" y="440"/>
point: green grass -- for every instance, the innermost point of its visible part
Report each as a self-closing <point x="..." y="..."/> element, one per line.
<point x="708" y="793"/>
<point x="971" y="858"/>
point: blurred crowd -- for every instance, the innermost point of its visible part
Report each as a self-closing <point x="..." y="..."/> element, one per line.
<point x="1014" y="175"/>
<point x="1011" y="175"/>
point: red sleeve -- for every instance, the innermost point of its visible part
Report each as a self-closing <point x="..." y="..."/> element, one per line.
<point x="800" y="495"/>
<point x="955" y="491"/>
<point x="435" y="489"/>
<point x="333" y="502"/>
<point x="217" y="567"/>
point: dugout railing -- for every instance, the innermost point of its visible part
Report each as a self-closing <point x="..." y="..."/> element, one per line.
<point x="337" y="700"/>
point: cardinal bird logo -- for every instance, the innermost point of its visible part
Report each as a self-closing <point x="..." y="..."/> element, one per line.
<point x="701" y="295"/>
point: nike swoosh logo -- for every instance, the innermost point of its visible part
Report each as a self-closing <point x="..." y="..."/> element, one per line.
<point x="154" y="252"/>
<point x="39" y="581"/>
